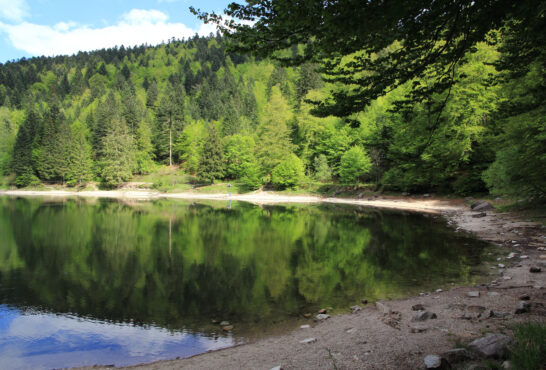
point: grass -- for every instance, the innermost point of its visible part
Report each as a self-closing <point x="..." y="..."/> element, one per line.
<point x="529" y="352"/>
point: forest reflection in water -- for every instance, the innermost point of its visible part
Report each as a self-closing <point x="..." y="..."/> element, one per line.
<point x="172" y="266"/>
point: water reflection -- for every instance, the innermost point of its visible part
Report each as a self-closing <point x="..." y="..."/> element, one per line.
<point x="33" y="340"/>
<point x="169" y="267"/>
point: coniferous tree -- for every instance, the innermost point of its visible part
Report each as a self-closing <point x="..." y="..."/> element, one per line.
<point x="170" y="120"/>
<point x="274" y="144"/>
<point x="22" y="152"/>
<point x="211" y="165"/>
<point x="117" y="156"/>
<point x="79" y="157"/>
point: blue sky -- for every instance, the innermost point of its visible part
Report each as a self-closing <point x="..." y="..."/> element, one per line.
<point x="52" y="27"/>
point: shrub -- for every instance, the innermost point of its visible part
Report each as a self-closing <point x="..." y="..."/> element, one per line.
<point x="289" y="173"/>
<point x="354" y="163"/>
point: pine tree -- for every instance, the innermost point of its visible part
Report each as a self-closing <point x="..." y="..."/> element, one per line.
<point x="22" y="151"/>
<point x="170" y="120"/>
<point x="117" y="159"/>
<point x="274" y="144"/>
<point x="211" y="165"/>
<point x="79" y="157"/>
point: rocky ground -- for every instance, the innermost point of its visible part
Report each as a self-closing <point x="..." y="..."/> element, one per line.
<point x="403" y="333"/>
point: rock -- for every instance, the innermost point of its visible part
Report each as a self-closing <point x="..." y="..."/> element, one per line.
<point x="524" y="297"/>
<point x="523" y="257"/>
<point x="486" y="314"/>
<point x="418" y="329"/>
<point x="473" y="294"/>
<point x="511" y="255"/>
<point x="305" y="326"/>
<point x="479" y="215"/>
<point x="535" y="269"/>
<point x="307" y="315"/>
<point x="355" y="309"/>
<point x="405" y="194"/>
<point x="436" y="362"/>
<point x="522" y="307"/>
<point x="382" y="307"/>
<point x="423" y="316"/>
<point x="364" y="301"/>
<point x="501" y="315"/>
<point x="542" y="256"/>
<point x="418" y="307"/>
<point x="507" y="278"/>
<point x="227" y="328"/>
<point x="322" y="311"/>
<point x="507" y="365"/>
<point x="276" y="368"/>
<point x="360" y="195"/>
<point x="501" y="266"/>
<point x="308" y="340"/>
<point x="224" y="323"/>
<point x="481" y="206"/>
<point x="491" y="345"/>
<point x="493" y="294"/>
<point x="457" y="355"/>
<point x="439" y="290"/>
<point x="322" y="317"/>
<point x="426" y="195"/>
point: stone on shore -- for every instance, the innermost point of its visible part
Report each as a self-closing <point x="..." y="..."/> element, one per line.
<point x="423" y="316"/>
<point x="308" y="340"/>
<point x="436" y="362"/>
<point x="491" y="345"/>
<point x="522" y="307"/>
<point x="473" y="294"/>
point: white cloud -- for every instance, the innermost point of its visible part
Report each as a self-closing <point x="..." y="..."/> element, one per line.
<point x="13" y="10"/>
<point x="136" y="27"/>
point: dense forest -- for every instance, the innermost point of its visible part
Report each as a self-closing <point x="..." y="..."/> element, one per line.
<point x="108" y="115"/>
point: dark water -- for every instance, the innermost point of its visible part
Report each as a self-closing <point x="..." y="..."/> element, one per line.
<point x="106" y="282"/>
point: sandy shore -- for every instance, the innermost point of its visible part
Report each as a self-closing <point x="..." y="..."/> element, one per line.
<point x="383" y="335"/>
<point x="258" y="197"/>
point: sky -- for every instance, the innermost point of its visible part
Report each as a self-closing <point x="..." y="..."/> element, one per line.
<point x="63" y="27"/>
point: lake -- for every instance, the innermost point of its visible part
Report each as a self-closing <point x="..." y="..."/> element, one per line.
<point x="86" y="282"/>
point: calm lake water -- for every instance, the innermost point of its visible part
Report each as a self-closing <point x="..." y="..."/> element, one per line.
<point x="87" y="282"/>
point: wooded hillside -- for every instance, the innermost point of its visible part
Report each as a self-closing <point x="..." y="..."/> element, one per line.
<point x="108" y="115"/>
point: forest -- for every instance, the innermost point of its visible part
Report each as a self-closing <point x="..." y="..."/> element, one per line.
<point x="216" y="114"/>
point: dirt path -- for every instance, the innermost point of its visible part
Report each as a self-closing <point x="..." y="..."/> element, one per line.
<point x="383" y="335"/>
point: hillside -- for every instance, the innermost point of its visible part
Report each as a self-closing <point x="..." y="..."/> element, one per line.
<point x="109" y="115"/>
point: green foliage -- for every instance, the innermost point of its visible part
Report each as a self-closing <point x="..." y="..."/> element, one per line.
<point x="354" y="164"/>
<point x="322" y="170"/>
<point x="117" y="159"/>
<point x="252" y="178"/>
<point x="529" y="351"/>
<point x="238" y="152"/>
<point x="211" y="164"/>
<point x="79" y="157"/>
<point x="274" y="142"/>
<point x="289" y="173"/>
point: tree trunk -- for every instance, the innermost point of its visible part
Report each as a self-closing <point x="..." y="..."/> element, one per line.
<point x="171" y="144"/>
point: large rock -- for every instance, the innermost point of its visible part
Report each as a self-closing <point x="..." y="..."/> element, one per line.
<point x="481" y="206"/>
<point x="491" y="345"/>
<point x="436" y="362"/>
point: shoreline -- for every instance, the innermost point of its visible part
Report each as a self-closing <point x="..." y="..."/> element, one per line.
<point x="258" y="197"/>
<point x="384" y="335"/>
